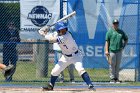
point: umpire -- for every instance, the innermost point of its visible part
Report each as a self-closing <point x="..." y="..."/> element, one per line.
<point x="10" y="55"/>
<point x="116" y="40"/>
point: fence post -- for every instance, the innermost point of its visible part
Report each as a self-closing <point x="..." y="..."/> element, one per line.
<point x="138" y="45"/>
<point x="42" y="58"/>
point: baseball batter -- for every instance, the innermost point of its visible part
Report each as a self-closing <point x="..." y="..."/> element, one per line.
<point x="70" y="51"/>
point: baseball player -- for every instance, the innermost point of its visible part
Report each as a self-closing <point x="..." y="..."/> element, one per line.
<point x="10" y="54"/>
<point x="70" y="68"/>
<point x="116" y="40"/>
<point x="7" y="70"/>
<point x="70" y="54"/>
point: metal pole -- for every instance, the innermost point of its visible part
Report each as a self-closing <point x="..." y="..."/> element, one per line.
<point x="137" y="45"/>
<point x="42" y="58"/>
<point x="138" y="41"/>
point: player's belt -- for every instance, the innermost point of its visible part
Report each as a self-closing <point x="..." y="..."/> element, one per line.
<point x="71" y="54"/>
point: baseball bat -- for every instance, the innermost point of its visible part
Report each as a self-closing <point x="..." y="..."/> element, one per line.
<point x="108" y="59"/>
<point x="48" y="27"/>
<point x="64" y="18"/>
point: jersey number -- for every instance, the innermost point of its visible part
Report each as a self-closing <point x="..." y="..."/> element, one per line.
<point x="65" y="46"/>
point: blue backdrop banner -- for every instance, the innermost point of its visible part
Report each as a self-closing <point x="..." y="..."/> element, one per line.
<point x="93" y="19"/>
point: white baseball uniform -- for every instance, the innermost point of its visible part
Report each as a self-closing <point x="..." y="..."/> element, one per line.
<point x="70" y="51"/>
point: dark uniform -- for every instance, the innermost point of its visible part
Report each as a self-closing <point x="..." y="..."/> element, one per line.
<point x="10" y="55"/>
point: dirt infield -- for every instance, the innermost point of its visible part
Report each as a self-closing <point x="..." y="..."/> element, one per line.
<point x="69" y="90"/>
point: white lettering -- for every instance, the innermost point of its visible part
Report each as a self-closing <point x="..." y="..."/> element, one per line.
<point x="49" y="16"/>
<point x="39" y="16"/>
<point x="29" y="29"/>
<point x="129" y="52"/>
<point x="98" y="51"/>
<point x="90" y="51"/>
<point x="82" y="50"/>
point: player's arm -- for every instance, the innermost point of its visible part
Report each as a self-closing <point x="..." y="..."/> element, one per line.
<point x="125" y="43"/>
<point x="51" y="37"/>
<point x="125" y="40"/>
<point x="107" y="47"/>
<point x="107" y="52"/>
<point x="107" y="44"/>
<point x="44" y="30"/>
<point x="48" y="33"/>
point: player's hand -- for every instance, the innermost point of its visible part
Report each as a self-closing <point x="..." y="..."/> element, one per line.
<point x="43" y="31"/>
<point x="107" y="53"/>
<point x="108" y="57"/>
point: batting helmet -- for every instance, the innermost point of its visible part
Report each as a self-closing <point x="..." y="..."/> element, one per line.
<point x="60" y="25"/>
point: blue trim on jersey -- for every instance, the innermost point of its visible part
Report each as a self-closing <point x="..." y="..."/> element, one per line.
<point x="59" y="40"/>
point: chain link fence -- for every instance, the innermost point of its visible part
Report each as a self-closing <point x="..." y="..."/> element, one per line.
<point x="32" y="53"/>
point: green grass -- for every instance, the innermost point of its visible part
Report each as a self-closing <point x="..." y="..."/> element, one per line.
<point x="26" y="71"/>
<point x="26" y="75"/>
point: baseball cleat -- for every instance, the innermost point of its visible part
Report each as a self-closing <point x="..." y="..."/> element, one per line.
<point x="48" y="88"/>
<point x="72" y="81"/>
<point x="112" y="81"/>
<point x="91" y="87"/>
<point x="117" y="81"/>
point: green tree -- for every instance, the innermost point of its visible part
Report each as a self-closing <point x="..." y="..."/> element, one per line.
<point x="9" y="12"/>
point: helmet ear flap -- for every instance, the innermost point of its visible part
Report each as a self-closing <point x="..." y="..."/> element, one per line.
<point x="66" y="29"/>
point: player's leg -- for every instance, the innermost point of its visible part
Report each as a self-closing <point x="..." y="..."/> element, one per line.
<point x="71" y="72"/>
<point x="6" y="54"/>
<point x="59" y="67"/>
<point x="6" y="57"/>
<point x="58" y="55"/>
<point x="112" y="67"/>
<point x="84" y="74"/>
<point x="118" y="61"/>
<point x="13" y="60"/>
<point x="61" y="77"/>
